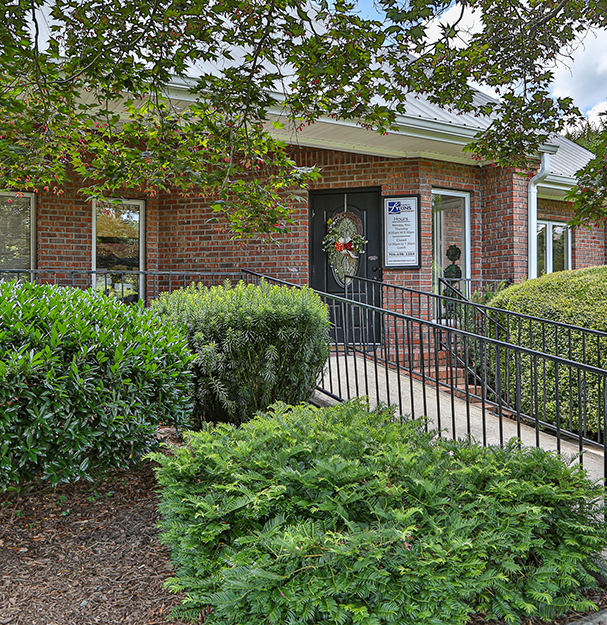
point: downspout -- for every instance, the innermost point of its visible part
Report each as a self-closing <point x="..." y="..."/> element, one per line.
<point x="532" y="214"/>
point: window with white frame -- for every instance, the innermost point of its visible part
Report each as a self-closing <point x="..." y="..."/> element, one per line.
<point x="450" y="227"/>
<point x="553" y="247"/>
<point x="17" y="231"/>
<point x="118" y="247"/>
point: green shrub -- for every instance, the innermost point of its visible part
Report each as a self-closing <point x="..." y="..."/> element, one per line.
<point x="484" y="294"/>
<point x="254" y="345"/>
<point x="84" y="381"/>
<point x="578" y="298"/>
<point x="342" y="516"/>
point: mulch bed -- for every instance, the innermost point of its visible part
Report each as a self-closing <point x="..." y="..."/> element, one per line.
<point x="85" y="554"/>
<point x="90" y="553"/>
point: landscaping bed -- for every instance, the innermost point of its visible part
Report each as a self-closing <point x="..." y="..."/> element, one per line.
<point x="102" y="561"/>
<point x="85" y="554"/>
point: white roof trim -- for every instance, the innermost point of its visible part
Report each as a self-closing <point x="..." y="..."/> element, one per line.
<point x="408" y="126"/>
<point x="555" y="187"/>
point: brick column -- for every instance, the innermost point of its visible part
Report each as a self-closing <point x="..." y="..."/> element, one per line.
<point x="504" y="224"/>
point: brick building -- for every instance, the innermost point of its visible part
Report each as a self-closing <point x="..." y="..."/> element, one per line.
<point x="505" y="225"/>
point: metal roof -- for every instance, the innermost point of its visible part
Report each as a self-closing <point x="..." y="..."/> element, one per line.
<point x="570" y="157"/>
<point x="566" y="162"/>
<point x="425" y="131"/>
<point x="429" y="131"/>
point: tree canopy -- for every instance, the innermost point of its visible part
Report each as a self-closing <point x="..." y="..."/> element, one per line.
<point x="87" y="88"/>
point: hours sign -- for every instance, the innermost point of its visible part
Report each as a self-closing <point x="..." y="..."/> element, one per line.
<point x="401" y="232"/>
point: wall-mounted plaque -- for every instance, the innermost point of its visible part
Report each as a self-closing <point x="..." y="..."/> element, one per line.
<point x="402" y="236"/>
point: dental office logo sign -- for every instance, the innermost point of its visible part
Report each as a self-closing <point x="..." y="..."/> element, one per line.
<point x="402" y="232"/>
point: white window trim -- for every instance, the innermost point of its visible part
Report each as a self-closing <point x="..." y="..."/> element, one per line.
<point x="142" y="241"/>
<point x="549" y="225"/>
<point x="467" y="259"/>
<point x="33" y="224"/>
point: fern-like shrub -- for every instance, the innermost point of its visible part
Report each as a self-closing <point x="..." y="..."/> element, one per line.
<point x="578" y="298"/>
<point x="84" y="382"/>
<point x="344" y="516"/>
<point x="254" y="345"/>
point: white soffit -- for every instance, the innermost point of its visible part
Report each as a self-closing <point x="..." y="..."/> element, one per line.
<point x="416" y="139"/>
<point x="554" y="187"/>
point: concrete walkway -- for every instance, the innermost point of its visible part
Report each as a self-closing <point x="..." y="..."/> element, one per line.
<point x="453" y="416"/>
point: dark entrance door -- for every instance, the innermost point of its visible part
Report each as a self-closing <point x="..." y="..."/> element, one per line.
<point x="362" y="208"/>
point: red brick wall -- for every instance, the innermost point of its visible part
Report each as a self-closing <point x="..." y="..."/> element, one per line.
<point x="64" y="225"/>
<point x="341" y="170"/>
<point x="179" y="235"/>
<point x="437" y="175"/>
<point x="504" y="224"/>
<point x="588" y="246"/>
<point x="64" y="229"/>
<point x="188" y="241"/>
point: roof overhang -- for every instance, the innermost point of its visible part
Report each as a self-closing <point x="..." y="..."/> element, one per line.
<point x="554" y="187"/>
<point x="414" y="138"/>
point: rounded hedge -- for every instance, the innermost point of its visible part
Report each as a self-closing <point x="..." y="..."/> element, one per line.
<point x="342" y="515"/>
<point x="578" y="298"/>
<point x="254" y="345"/>
<point x="84" y="382"/>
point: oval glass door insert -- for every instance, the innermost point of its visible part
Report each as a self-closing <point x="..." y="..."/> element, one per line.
<point x="343" y="245"/>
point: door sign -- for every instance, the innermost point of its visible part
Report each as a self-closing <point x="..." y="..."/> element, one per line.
<point x="402" y="236"/>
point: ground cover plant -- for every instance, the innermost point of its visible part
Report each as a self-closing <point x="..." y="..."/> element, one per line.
<point x="88" y="553"/>
<point x="254" y="345"/>
<point x="84" y="382"/>
<point x="577" y="298"/>
<point x="343" y="516"/>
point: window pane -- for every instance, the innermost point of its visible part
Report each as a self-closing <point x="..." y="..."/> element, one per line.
<point x="559" y="248"/>
<point x="15" y="229"/>
<point x="117" y="248"/>
<point x="448" y="232"/>
<point x="541" y="249"/>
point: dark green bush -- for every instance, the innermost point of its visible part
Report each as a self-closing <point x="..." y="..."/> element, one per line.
<point x="254" y="345"/>
<point x="342" y="516"/>
<point x="84" y="381"/>
<point x="578" y="298"/>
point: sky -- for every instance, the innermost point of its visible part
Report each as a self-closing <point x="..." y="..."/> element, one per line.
<point x="583" y="77"/>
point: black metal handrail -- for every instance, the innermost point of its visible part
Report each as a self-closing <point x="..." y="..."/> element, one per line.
<point x="432" y="324"/>
<point x="458" y="295"/>
<point x="425" y="366"/>
<point x="545" y="335"/>
<point x="402" y="360"/>
<point x="469" y="366"/>
<point x="126" y="285"/>
<point x="482" y="286"/>
<point x="253" y="277"/>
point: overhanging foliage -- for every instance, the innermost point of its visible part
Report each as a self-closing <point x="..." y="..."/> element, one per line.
<point x="93" y="95"/>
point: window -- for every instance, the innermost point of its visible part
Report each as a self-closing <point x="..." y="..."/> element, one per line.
<point x="553" y="247"/>
<point x="17" y="231"/>
<point x="450" y="229"/>
<point x="118" y="247"/>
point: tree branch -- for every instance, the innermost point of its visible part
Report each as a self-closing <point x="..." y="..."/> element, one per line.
<point x="546" y="18"/>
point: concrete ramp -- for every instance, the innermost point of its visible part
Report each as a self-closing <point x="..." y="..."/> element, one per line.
<point x="349" y="375"/>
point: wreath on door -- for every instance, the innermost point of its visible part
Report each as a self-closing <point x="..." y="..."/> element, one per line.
<point x="344" y="243"/>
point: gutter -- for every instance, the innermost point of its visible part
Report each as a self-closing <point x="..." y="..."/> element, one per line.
<point x="541" y="175"/>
